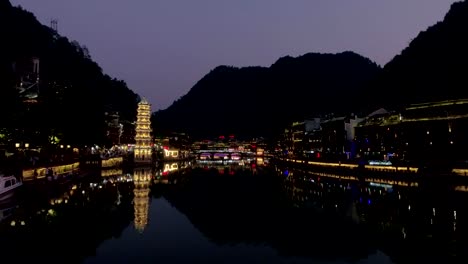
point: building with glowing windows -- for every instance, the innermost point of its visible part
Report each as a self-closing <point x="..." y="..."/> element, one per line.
<point x="143" y="146"/>
<point x="431" y="133"/>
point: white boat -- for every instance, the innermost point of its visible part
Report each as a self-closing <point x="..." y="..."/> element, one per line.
<point x="8" y="185"/>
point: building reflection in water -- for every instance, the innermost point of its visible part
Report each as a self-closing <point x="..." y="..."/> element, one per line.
<point x="167" y="172"/>
<point x="51" y="221"/>
<point x="141" y="179"/>
<point x="399" y="212"/>
<point x="231" y="166"/>
<point x="111" y="172"/>
<point x="297" y="212"/>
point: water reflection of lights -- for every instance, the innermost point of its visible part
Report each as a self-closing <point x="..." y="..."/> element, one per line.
<point x="218" y="161"/>
<point x="142" y="179"/>
<point x="260" y="161"/>
<point x="111" y="172"/>
<point x="59" y="200"/>
<point x="162" y="180"/>
<point x="461" y="188"/>
<point x="369" y="167"/>
<point x="227" y="166"/>
<point x="381" y="185"/>
<point x="389" y="183"/>
<point x="171" y="167"/>
<point x="238" y="162"/>
<point x="77" y="195"/>
<point x="378" y="206"/>
<point x="393" y="182"/>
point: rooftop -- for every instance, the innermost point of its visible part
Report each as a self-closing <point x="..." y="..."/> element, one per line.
<point x="437" y="104"/>
<point x="143" y="101"/>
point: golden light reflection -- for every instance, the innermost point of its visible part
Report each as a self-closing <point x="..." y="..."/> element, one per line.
<point x="141" y="179"/>
<point x="461" y="188"/>
<point x="171" y="167"/>
<point x="260" y="161"/>
<point x="111" y="172"/>
<point x="28" y="175"/>
<point x="353" y="166"/>
<point x="112" y="162"/>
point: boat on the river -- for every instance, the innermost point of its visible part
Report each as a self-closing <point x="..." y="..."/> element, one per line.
<point x="8" y="186"/>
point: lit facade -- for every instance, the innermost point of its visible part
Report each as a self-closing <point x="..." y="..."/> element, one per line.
<point x="427" y="134"/>
<point x="171" y="154"/>
<point x="141" y="180"/>
<point x="143" y="148"/>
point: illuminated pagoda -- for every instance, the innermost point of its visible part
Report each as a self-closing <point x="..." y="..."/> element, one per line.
<point x="143" y="151"/>
<point x="141" y="180"/>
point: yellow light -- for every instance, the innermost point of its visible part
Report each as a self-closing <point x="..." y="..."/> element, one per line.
<point x="61" y="146"/>
<point x="17" y="145"/>
<point x="26" y="145"/>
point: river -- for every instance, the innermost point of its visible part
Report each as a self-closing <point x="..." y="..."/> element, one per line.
<point x="231" y="213"/>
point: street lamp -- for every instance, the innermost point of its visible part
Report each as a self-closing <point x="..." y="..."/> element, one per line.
<point x="17" y="145"/>
<point x="26" y="145"/>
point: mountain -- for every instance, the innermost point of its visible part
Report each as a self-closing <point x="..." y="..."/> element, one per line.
<point x="72" y="95"/>
<point x="258" y="101"/>
<point x="433" y="67"/>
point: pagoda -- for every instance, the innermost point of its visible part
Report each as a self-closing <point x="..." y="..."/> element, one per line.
<point x="141" y="200"/>
<point x="143" y="148"/>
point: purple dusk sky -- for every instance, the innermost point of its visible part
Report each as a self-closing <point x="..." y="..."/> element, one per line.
<point x="161" y="48"/>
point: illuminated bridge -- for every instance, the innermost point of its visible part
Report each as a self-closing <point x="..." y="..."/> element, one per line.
<point x="218" y="154"/>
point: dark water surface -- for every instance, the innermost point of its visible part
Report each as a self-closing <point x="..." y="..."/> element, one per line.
<point x="233" y="214"/>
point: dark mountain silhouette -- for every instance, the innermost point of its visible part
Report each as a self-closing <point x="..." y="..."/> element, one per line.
<point x="74" y="93"/>
<point x="433" y="67"/>
<point x="258" y="101"/>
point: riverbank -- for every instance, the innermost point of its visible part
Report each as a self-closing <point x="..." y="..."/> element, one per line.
<point x="62" y="170"/>
<point x="348" y="168"/>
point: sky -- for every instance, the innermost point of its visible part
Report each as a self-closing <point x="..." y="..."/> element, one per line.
<point x="161" y="48"/>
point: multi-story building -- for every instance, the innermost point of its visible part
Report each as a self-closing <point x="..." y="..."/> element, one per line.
<point x="333" y="137"/>
<point x="378" y="137"/>
<point x="292" y="139"/>
<point x="114" y="127"/>
<point x="27" y="75"/>
<point x="338" y="136"/>
<point x="143" y="142"/>
<point x="330" y="138"/>
<point x="419" y="134"/>
<point x="179" y="141"/>
<point x="312" y="141"/>
<point x="424" y="135"/>
<point x="128" y="134"/>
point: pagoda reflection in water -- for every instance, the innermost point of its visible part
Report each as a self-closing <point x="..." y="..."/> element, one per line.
<point x="142" y="180"/>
